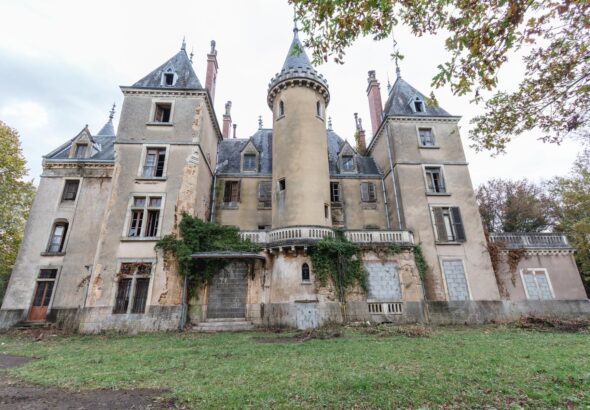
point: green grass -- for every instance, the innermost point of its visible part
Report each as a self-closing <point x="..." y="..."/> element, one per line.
<point x="466" y="367"/>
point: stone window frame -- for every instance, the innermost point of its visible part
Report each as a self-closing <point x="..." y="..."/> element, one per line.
<point x="134" y="278"/>
<point x="308" y="280"/>
<point x="452" y="223"/>
<point x="534" y="270"/>
<point x="62" y="200"/>
<point x="125" y="234"/>
<point x="434" y="137"/>
<point x="442" y="258"/>
<point x="420" y="100"/>
<point x="445" y="192"/>
<point x="64" y="240"/>
<point x="144" y="150"/>
<point x="155" y="101"/>
<point x="168" y="71"/>
<point x="55" y="284"/>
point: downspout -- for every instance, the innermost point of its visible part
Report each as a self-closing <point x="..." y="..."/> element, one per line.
<point x="385" y="201"/>
<point x="393" y="179"/>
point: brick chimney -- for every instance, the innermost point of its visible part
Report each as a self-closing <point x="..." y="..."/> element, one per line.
<point x="227" y="120"/>
<point x="359" y="136"/>
<point x="375" y="105"/>
<point x="212" y="67"/>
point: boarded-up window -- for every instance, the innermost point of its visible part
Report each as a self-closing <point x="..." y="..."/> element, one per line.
<point x="456" y="280"/>
<point x="537" y="284"/>
<point x="368" y="192"/>
<point x="265" y="194"/>
<point x="70" y="190"/>
<point x="448" y="224"/>
<point x="231" y="193"/>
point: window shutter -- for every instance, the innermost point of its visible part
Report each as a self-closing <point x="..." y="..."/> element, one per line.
<point x="371" y="188"/>
<point x="439" y="224"/>
<point x="458" y="224"/>
<point x="429" y="181"/>
<point x="364" y="192"/>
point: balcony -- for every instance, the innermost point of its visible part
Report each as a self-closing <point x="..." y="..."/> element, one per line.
<point x="531" y="240"/>
<point x="309" y="234"/>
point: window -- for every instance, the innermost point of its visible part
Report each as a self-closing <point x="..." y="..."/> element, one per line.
<point x="418" y="105"/>
<point x="43" y="294"/>
<point x="455" y="278"/>
<point x="305" y="276"/>
<point x="368" y="192"/>
<point x="145" y="216"/>
<point x="282" y="184"/>
<point x="249" y="162"/>
<point x="426" y="137"/>
<point x="318" y="109"/>
<point x="335" y="194"/>
<point x="169" y="78"/>
<point x="70" y="190"/>
<point x="132" y="291"/>
<point x="281" y="108"/>
<point x="81" y="150"/>
<point x="347" y="163"/>
<point x="536" y="284"/>
<point x="231" y="194"/>
<point x="58" y="236"/>
<point x="448" y="224"/>
<point x="265" y="194"/>
<point x="162" y="112"/>
<point x="434" y="180"/>
<point x="153" y="166"/>
<point x="326" y="211"/>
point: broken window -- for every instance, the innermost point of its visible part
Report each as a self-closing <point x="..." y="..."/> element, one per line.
<point x="133" y="286"/>
<point x="305" y="276"/>
<point x="335" y="194"/>
<point x="231" y="193"/>
<point x="265" y="194"/>
<point x="347" y="163"/>
<point x="155" y="159"/>
<point x="448" y="224"/>
<point x="368" y="192"/>
<point x="70" y="190"/>
<point x="162" y="112"/>
<point x="58" y="236"/>
<point x="145" y="217"/>
<point x="249" y="162"/>
<point x="81" y="150"/>
<point x="434" y="180"/>
<point x="426" y="137"/>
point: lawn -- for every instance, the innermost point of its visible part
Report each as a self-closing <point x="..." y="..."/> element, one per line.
<point x="454" y="367"/>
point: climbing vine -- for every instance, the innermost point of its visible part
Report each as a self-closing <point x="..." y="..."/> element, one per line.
<point x="340" y="260"/>
<point x="196" y="235"/>
<point x="421" y="264"/>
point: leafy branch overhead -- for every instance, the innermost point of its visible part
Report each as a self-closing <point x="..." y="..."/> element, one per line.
<point x="552" y="36"/>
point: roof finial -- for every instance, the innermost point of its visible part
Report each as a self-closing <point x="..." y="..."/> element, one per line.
<point x="191" y="54"/>
<point x="112" y="112"/>
<point x="260" y="122"/>
<point x="330" y="123"/>
<point x="396" y="56"/>
<point x="388" y="83"/>
<point x="295" y="29"/>
<point x="183" y="46"/>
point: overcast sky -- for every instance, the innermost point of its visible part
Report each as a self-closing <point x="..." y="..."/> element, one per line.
<point x="62" y="62"/>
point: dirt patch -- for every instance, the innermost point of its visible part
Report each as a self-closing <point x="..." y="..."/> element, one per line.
<point x="326" y="332"/>
<point x="550" y="323"/>
<point x="387" y="330"/>
<point x="15" y="394"/>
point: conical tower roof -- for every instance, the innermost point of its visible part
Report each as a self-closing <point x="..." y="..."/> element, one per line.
<point x="108" y="129"/>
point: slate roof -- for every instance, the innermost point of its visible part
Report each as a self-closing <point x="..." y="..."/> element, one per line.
<point x="103" y="147"/>
<point x="229" y="157"/>
<point x="400" y="96"/>
<point x="108" y="129"/>
<point x="181" y="64"/>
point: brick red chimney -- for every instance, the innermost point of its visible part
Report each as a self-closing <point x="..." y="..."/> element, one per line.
<point x="359" y="136"/>
<point x="227" y="120"/>
<point x="375" y="105"/>
<point x="212" y="67"/>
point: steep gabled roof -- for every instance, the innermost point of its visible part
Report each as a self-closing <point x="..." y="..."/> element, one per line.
<point x="400" y="98"/>
<point x="181" y="65"/>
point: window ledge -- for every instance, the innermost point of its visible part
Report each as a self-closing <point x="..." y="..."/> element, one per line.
<point x="437" y="193"/>
<point x="429" y="146"/>
<point x="264" y="207"/>
<point x="320" y="118"/>
<point x="53" y="253"/>
<point x="448" y="243"/>
<point x="154" y="179"/>
<point x="227" y="205"/>
<point x="307" y="282"/>
<point x="140" y="238"/>
<point x="160" y="124"/>
<point x="280" y="117"/>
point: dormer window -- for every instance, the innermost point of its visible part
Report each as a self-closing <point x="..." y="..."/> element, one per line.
<point x="418" y="105"/>
<point x="169" y="79"/>
<point x="249" y="162"/>
<point x="348" y="163"/>
<point x="81" y="150"/>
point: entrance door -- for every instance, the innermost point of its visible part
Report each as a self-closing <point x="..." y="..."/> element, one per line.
<point x="43" y="293"/>
<point x="227" y="292"/>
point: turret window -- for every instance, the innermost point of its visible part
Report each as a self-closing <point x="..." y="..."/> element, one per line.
<point x="318" y="109"/>
<point x="281" y="108"/>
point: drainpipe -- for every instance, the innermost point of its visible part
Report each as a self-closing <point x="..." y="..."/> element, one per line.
<point x="184" y="310"/>
<point x="393" y="180"/>
<point x="385" y="202"/>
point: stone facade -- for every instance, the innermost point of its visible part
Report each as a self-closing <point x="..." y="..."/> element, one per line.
<point x="88" y="259"/>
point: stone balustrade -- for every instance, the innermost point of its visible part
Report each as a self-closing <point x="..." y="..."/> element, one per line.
<point x="306" y="234"/>
<point x="531" y="240"/>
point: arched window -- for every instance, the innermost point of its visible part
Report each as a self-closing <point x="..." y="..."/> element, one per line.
<point x="58" y="236"/>
<point x="305" y="277"/>
<point x="281" y="108"/>
<point x="318" y="109"/>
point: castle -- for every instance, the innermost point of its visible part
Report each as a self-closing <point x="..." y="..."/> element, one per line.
<point x="88" y="262"/>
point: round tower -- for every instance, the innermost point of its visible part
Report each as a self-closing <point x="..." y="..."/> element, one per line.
<point x="298" y="97"/>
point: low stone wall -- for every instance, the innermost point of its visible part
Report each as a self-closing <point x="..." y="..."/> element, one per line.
<point x="10" y="317"/>
<point x="157" y="318"/>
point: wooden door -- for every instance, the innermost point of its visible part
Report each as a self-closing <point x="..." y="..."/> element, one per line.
<point x="41" y="300"/>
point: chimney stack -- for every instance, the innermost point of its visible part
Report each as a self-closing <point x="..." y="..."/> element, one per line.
<point x="235" y="126"/>
<point x="212" y="67"/>
<point x="227" y="120"/>
<point x="359" y="136"/>
<point x="375" y="105"/>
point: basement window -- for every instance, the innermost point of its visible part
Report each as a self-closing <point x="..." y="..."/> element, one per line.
<point x="162" y="112"/>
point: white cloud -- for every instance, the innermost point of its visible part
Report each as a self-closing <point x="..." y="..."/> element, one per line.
<point x="24" y="115"/>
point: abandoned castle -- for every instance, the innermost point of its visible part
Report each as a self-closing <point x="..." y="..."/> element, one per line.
<point x="88" y="262"/>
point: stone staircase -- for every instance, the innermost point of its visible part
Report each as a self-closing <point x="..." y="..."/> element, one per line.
<point x="223" y="325"/>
